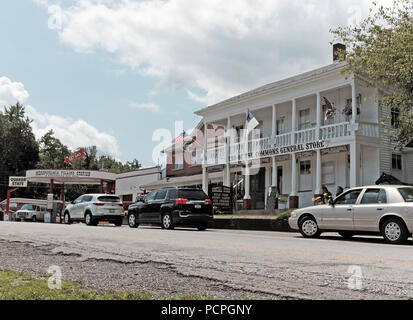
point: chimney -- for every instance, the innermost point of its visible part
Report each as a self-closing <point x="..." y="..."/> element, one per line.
<point x="337" y="49"/>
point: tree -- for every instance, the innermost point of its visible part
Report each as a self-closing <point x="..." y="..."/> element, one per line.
<point x="380" y="50"/>
<point x="19" y="150"/>
<point x="52" y="152"/>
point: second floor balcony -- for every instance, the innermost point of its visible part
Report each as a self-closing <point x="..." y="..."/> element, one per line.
<point x="262" y="147"/>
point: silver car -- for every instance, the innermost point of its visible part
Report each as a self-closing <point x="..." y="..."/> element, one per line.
<point x="32" y="212"/>
<point x="385" y="210"/>
<point x="93" y="208"/>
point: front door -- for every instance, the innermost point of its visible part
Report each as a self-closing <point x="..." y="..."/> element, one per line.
<point x="340" y="215"/>
<point x="280" y="179"/>
<point x="258" y="190"/>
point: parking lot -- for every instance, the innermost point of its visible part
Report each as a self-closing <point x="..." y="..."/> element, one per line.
<point x="224" y="264"/>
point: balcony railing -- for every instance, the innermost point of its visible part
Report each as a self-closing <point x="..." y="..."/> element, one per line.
<point x="368" y="129"/>
<point x="217" y="156"/>
<point x="334" y="131"/>
<point x="304" y="136"/>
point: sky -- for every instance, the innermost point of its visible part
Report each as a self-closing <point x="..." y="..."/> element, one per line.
<point x="127" y="76"/>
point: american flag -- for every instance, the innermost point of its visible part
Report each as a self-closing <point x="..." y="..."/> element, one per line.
<point x="331" y="110"/>
<point x="180" y="138"/>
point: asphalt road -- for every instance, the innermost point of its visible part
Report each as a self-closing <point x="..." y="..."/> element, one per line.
<point x="224" y="264"/>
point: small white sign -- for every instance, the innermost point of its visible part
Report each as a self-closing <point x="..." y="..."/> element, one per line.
<point x="50" y="201"/>
<point x="20" y="182"/>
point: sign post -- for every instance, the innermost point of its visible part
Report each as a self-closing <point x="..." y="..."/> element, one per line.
<point x="15" y="183"/>
<point x="7" y="213"/>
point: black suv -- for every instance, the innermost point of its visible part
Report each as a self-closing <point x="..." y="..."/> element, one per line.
<point x="170" y="207"/>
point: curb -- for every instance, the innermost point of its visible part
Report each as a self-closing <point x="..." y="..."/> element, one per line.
<point x="279" y="225"/>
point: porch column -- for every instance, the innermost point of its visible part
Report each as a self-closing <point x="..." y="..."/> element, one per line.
<point x="354" y="164"/>
<point x="353" y="101"/>
<point x="294" y="186"/>
<point x="247" y="195"/>
<point x="318" y="112"/>
<point x="293" y="121"/>
<point x="227" y="171"/>
<point x="293" y="201"/>
<point x="274" y="173"/>
<point x="274" y="134"/>
<point x="204" y="164"/>
<point x="205" y="180"/>
<point x="267" y="184"/>
<point x="317" y="190"/>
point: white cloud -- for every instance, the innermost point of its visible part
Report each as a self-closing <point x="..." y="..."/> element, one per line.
<point x="145" y="106"/>
<point x="11" y="92"/>
<point x="73" y="133"/>
<point x="220" y="47"/>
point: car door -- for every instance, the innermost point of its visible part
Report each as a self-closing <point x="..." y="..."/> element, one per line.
<point x="82" y="206"/>
<point x="372" y="206"/>
<point x="75" y="209"/>
<point x="339" y="215"/>
<point x="155" y="214"/>
<point x="147" y="208"/>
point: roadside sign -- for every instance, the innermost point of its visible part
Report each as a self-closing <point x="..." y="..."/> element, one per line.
<point x="19" y="182"/>
<point x="50" y="201"/>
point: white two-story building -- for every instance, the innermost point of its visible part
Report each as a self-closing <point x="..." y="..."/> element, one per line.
<point x="296" y="149"/>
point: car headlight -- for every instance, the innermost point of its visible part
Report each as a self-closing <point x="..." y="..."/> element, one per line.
<point x="293" y="214"/>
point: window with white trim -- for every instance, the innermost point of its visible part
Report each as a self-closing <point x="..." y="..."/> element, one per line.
<point x="397" y="162"/>
<point x="328" y="172"/>
<point x="306" y="177"/>
<point x="304" y="121"/>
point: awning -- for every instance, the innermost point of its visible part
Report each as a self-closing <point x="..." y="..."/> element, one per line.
<point x="184" y="181"/>
<point x="69" y="176"/>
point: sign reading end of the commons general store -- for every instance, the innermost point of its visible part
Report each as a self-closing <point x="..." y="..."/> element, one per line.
<point x="18" y="182"/>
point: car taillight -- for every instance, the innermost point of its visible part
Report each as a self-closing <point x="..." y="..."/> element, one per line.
<point x="98" y="203"/>
<point x="208" y="201"/>
<point x="181" y="201"/>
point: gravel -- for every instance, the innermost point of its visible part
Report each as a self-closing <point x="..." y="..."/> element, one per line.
<point x="160" y="280"/>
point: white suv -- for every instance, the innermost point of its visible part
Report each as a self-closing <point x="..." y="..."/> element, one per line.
<point x="93" y="208"/>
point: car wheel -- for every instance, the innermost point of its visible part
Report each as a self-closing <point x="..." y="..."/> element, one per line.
<point x="167" y="222"/>
<point x="394" y="231"/>
<point x="309" y="228"/>
<point x="132" y="221"/>
<point x="119" y="222"/>
<point x="34" y="219"/>
<point x="89" y="220"/>
<point x="346" y="234"/>
<point x="67" y="219"/>
<point x="202" y="226"/>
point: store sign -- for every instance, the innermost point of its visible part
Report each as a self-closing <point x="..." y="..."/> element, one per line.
<point x="81" y="153"/>
<point x="17" y="182"/>
<point x="301" y="147"/>
<point x="221" y="198"/>
<point x="62" y="173"/>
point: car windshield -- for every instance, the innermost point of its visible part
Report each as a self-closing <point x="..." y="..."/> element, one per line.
<point x="407" y="194"/>
<point x="28" y="207"/>
<point x="192" y="194"/>
<point x="109" y="199"/>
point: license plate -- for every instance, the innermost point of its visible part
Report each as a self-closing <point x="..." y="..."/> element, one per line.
<point x="111" y="210"/>
<point x="198" y="206"/>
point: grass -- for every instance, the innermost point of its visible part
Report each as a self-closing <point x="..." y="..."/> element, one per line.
<point x="24" y="286"/>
